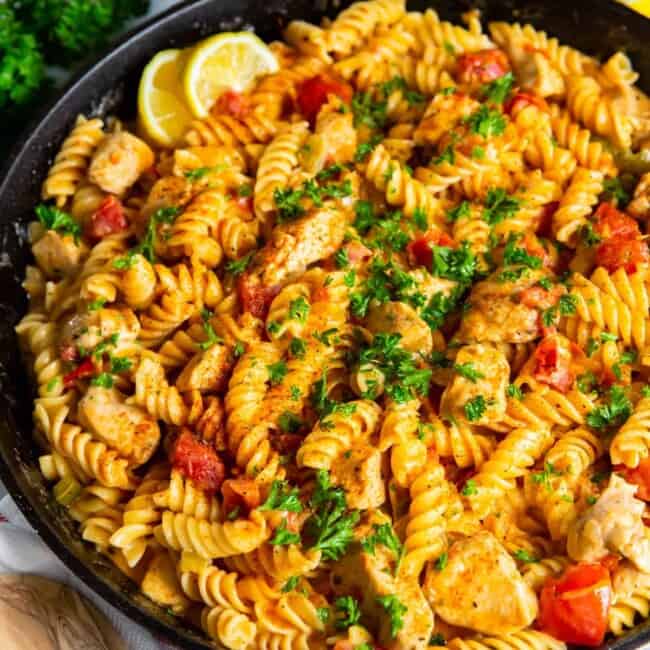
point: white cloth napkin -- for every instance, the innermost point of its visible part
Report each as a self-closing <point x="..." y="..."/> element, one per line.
<point x="23" y="551"/>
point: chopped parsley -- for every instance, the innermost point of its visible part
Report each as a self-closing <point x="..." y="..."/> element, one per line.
<point x="120" y="364"/>
<point x="282" y="497"/>
<point x="420" y="218"/>
<point x="290" y="584"/>
<point x="454" y="263"/>
<point x="277" y="372"/>
<point x="469" y="488"/>
<point x="475" y="408"/>
<point x="104" y="380"/>
<point x="299" y="309"/>
<point x="589" y="236"/>
<point x="486" y="122"/>
<point x="245" y="190"/>
<point x="437" y="639"/>
<point x="613" y="413"/>
<point x="439" y="307"/>
<point x="468" y="371"/>
<point x="368" y="111"/>
<point x="441" y="562"/>
<point x="498" y="90"/>
<point x="461" y="211"/>
<point x="325" y="406"/>
<point x="613" y="190"/>
<point x="330" y="528"/>
<point x="524" y="556"/>
<point x="396" y="610"/>
<point x="385" y="535"/>
<point x="283" y="536"/>
<point x="341" y="258"/>
<point x="289" y="202"/>
<point x="499" y="206"/>
<point x="514" y="391"/>
<point x="55" y="219"/>
<point x="200" y="172"/>
<point x="289" y="422"/>
<point x="297" y="348"/>
<point x="348" y="612"/>
<point x="587" y="382"/>
<point x="515" y="255"/>
<point x="447" y="156"/>
<point x="237" y="267"/>
<point x="544" y="476"/>
<point x="95" y="305"/>
<point x="212" y="338"/>
<point x="366" y="148"/>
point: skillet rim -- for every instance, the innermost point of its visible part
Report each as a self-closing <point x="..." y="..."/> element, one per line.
<point x="29" y="145"/>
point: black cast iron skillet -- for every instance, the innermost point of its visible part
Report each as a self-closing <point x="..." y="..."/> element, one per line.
<point x="108" y="87"/>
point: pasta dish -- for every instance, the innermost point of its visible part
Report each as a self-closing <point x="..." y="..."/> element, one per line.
<point x="358" y="357"/>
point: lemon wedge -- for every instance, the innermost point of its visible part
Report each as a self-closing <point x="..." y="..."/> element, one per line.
<point x="232" y="60"/>
<point x="163" y="114"/>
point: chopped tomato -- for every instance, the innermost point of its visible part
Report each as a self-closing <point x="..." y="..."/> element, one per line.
<point x="242" y="493"/>
<point x="521" y="99"/>
<point x="541" y="298"/>
<point x="254" y="297"/>
<point x="197" y="461"/>
<point x="357" y="252"/>
<point x="553" y="365"/>
<point x="535" y="247"/>
<point x="574" y="607"/>
<point x="313" y="93"/>
<point x="483" y="66"/>
<point x="108" y="219"/>
<point x="421" y="249"/>
<point x="233" y="103"/>
<point x="611" y="223"/>
<point x="85" y="369"/>
<point x="610" y="562"/>
<point x="544" y="227"/>
<point x="638" y="476"/>
<point x="618" y="253"/>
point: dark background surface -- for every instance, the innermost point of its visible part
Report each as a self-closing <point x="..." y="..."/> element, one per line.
<point x="596" y="26"/>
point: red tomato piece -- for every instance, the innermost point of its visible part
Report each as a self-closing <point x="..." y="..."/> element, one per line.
<point x="611" y="223"/>
<point x="68" y="352"/>
<point x="233" y="103"/>
<point x="84" y="369"/>
<point x="553" y="365"/>
<point x="197" y="461"/>
<point x="108" y="219"/>
<point x="422" y="248"/>
<point x="242" y="493"/>
<point x="521" y="99"/>
<point x="619" y="253"/>
<point x="313" y="93"/>
<point x="483" y="66"/>
<point x="255" y="298"/>
<point x="638" y="476"/>
<point x="573" y="607"/>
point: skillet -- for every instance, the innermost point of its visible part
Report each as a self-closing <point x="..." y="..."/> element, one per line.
<point x="598" y="27"/>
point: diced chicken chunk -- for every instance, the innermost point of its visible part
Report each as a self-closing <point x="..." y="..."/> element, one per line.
<point x="124" y="427"/>
<point x="359" y="472"/>
<point x="57" y="255"/>
<point x="160" y="583"/>
<point x="496" y="314"/>
<point x="206" y="370"/>
<point x="339" y="134"/>
<point x="402" y="319"/>
<point x="119" y="161"/>
<point x="487" y="373"/>
<point x="296" y="245"/>
<point x="167" y="192"/>
<point x="481" y="588"/>
<point x="367" y="577"/>
<point x="613" y="524"/>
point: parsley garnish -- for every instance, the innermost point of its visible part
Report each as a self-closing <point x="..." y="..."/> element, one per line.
<point x="290" y="584"/>
<point x="461" y="211"/>
<point x="437" y="639"/>
<point x="475" y="408"/>
<point x="486" y="122"/>
<point x="514" y="392"/>
<point x="468" y="371"/>
<point x="612" y="414"/>
<point x="385" y="535"/>
<point x="544" y="477"/>
<point x="120" y="364"/>
<point x="366" y="148"/>
<point x="299" y="309"/>
<point x="469" y="488"/>
<point x="200" y="172"/>
<point x="277" y="372"/>
<point x="330" y="527"/>
<point x="297" y="348"/>
<point x="289" y="422"/>
<point x="478" y="153"/>
<point x="396" y="610"/>
<point x="325" y="406"/>
<point x="283" y="536"/>
<point x="420" y="218"/>
<point x="613" y="190"/>
<point x="347" y="612"/>
<point x="497" y="91"/>
<point x="454" y="263"/>
<point x="367" y="111"/>
<point x="282" y="497"/>
<point x="341" y="258"/>
<point x="499" y="206"/>
<point x="589" y="236"/>
<point x="96" y="304"/>
<point x="447" y="156"/>
<point x="514" y="255"/>
<point x="212" y="338"/>
<point x="237" y="267"/>
<point x="441" y="562"/>
<point x="58" y="220"/>
<point x="104" y="380"/>
<point x="524" y="556"/>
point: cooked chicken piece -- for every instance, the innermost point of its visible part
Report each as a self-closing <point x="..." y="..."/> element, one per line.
<point x="613" y="524"/>
<point x="487" y="373"/>
<point x="402" y="319"/>
<point x="167" y="192"/>
<point x="57" y="255"/>
<point x="367" y="577"/>
<point x="89" y="329"/>
<point x="124" y="427"/>
<point x="119" y="161"/>
<point x="160" y="583"/>
<point x="359" y="473"/>
<point x="639" y="206"/>
<point x="429" y="285"/>
<point x="480" y="588"/>
<point x="296" y="245"/>
<point x="496" y="313"/>
<point x="339" y="135"/>
<point x="207" y="370"/>
<point x="538" y="74"/>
